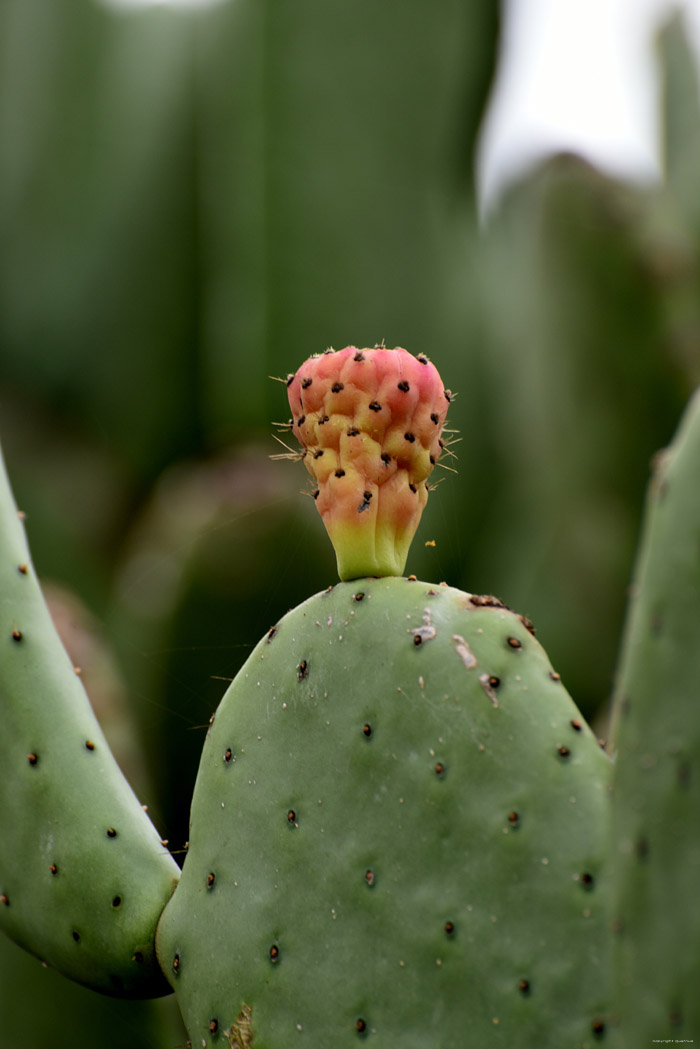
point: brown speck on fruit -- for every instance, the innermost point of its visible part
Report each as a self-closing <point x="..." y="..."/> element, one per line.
<point x="353" y="432"/>
<point x="318" y="453"/>
<point x="448" y="395"/>
<point x="576" y="725"/>
<point x="323" y="419"/>
<point x="274" y="953"/>
<point x="410" y="437"/>
<point x="305" y="383"/>
<point x="515" y="643"/>
<point x="386" y="458"/>
<point x="302" y="670"/>
<point x="435" y="418"/>
<point x="340" y="473"/>
<point x="33" y="759"/>
<point x="301" y="420"/>
<point x="490" y="683"/>
<point x="403" y="386"/>
<point x="359" y="356"/>
<point x="290" y="378"/>
<point x="364" y="505"/>
<point x="375" y="406"/>
<point x="369" y="877"/>
<point x="316" y="494"/>
<point x="421" y="358"/>
<point x="337" y="387"/>
<point x="563" y="752"/>
<point x="211" y="878"/>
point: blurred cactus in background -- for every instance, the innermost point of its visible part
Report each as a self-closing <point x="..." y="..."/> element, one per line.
<point x="193" y="201"/>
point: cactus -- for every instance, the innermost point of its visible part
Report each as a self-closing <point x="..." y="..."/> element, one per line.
<point x="83" y="873"/>
<point x="656" y="845"/>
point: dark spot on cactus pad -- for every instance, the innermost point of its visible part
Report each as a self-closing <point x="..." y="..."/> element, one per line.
<point x="318" y="453"/>
<point x="23" y="569"/>
<point x="450" y="928"/>
<point x="4" y="899"/>
<point x="353" y="432"/>
<point x="576" y="724"/>
<point x="554" y="676"/>
<point x="367" y="729"/>
<point x="524" y="987"/>
<point x="274" y="953"/>
<point x="358" y="596"/>
<point x="292" y="818"/>
<point x="361" y="1026"/>
<point x="302" y="670"/>
<point x="16" y="634"/>
<point x="89" y="745"/>
<point x="528" y="624"/>
<point x="228" y="755"/>
<point x="176" y="964"/>
<point x="305" y="383"/>
<point x="76" y="936"/>
<point x="272" y="632"/>
<point x="489" y="683"/>
<point x="369" y="877"/>
<point x="515" y="643"/>
<point x="563" y="752"/>
<point x="111" y="832"/>
<point x="137" y="957"/>
<point x="435" y="418"/>
<point x="598" y="1028"/>
<point x="364" y="505"/>
<point x="213" y="1026"/>
<point x="587" y="880"/>
<point x="53" y="868"/>
<point x="375" y="406"/>
<point x="410" y="437"/>
<point x="403" y="386"/>
<point x="116" y="902"/>
<point x="211" y="878"/>
<point x="340" y="473"/>
<point x="487" y="601"/>
<point x="33" y="759"/>
<point x="337" y="387"/>
<point x="641" y="848"/>
<point x="359" y="356"/>
<point x="514" y="819"/>
<point x="439" y="770"/>
<point x="675" y="1018"/>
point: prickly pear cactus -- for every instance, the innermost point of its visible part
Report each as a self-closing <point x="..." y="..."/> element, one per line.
<point x="397" y="830"/>
<point x="399" y="822"/>
<point x="83" y="873"/>
<point x="656" y="836"/>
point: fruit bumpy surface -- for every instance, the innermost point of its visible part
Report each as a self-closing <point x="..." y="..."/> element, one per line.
<point x="656" y="798"/>
<point x="370" y="423"/>
<point x="398" y="833"/>
<point x="83" y="873"/>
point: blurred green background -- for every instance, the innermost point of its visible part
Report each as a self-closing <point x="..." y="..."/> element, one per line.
<point x="191" y="202"/>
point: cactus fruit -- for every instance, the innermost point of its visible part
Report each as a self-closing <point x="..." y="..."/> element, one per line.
<point x="397" y="828"/>
<point x="370" y="423"/>
<point x="83" y="873"/>
<point x="656" y="840"/>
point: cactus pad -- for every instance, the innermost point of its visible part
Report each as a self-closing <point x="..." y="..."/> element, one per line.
<point x="83" y="873"/>
<point x="397" y="835"/>
<point x="370" y="423"/>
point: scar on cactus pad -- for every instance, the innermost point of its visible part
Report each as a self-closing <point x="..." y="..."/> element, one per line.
<point x="370" y="423"/>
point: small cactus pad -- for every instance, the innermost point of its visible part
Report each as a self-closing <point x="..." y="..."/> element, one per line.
<point x="83" y="873"/>
<point x="656" y="799"/>
<point x="397" y="834"/>
<point x="370" y="422"/>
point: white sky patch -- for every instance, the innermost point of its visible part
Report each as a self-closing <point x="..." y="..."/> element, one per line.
<point x="577" y="75"/>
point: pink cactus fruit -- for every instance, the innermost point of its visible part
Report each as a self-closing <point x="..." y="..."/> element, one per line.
<point x="370" y="422"/>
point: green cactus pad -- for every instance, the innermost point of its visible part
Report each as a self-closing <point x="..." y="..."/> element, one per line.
<point x="656" y="829"/>
<point x="397" y="834"/>
<point x="83" y="873"/>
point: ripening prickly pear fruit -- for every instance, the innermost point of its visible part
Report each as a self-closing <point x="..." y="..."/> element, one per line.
<point x="370" y="422"/>
<point x="84" y="875"/>
<point x="656" y="799"/>
<point x="398" y="834"/>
